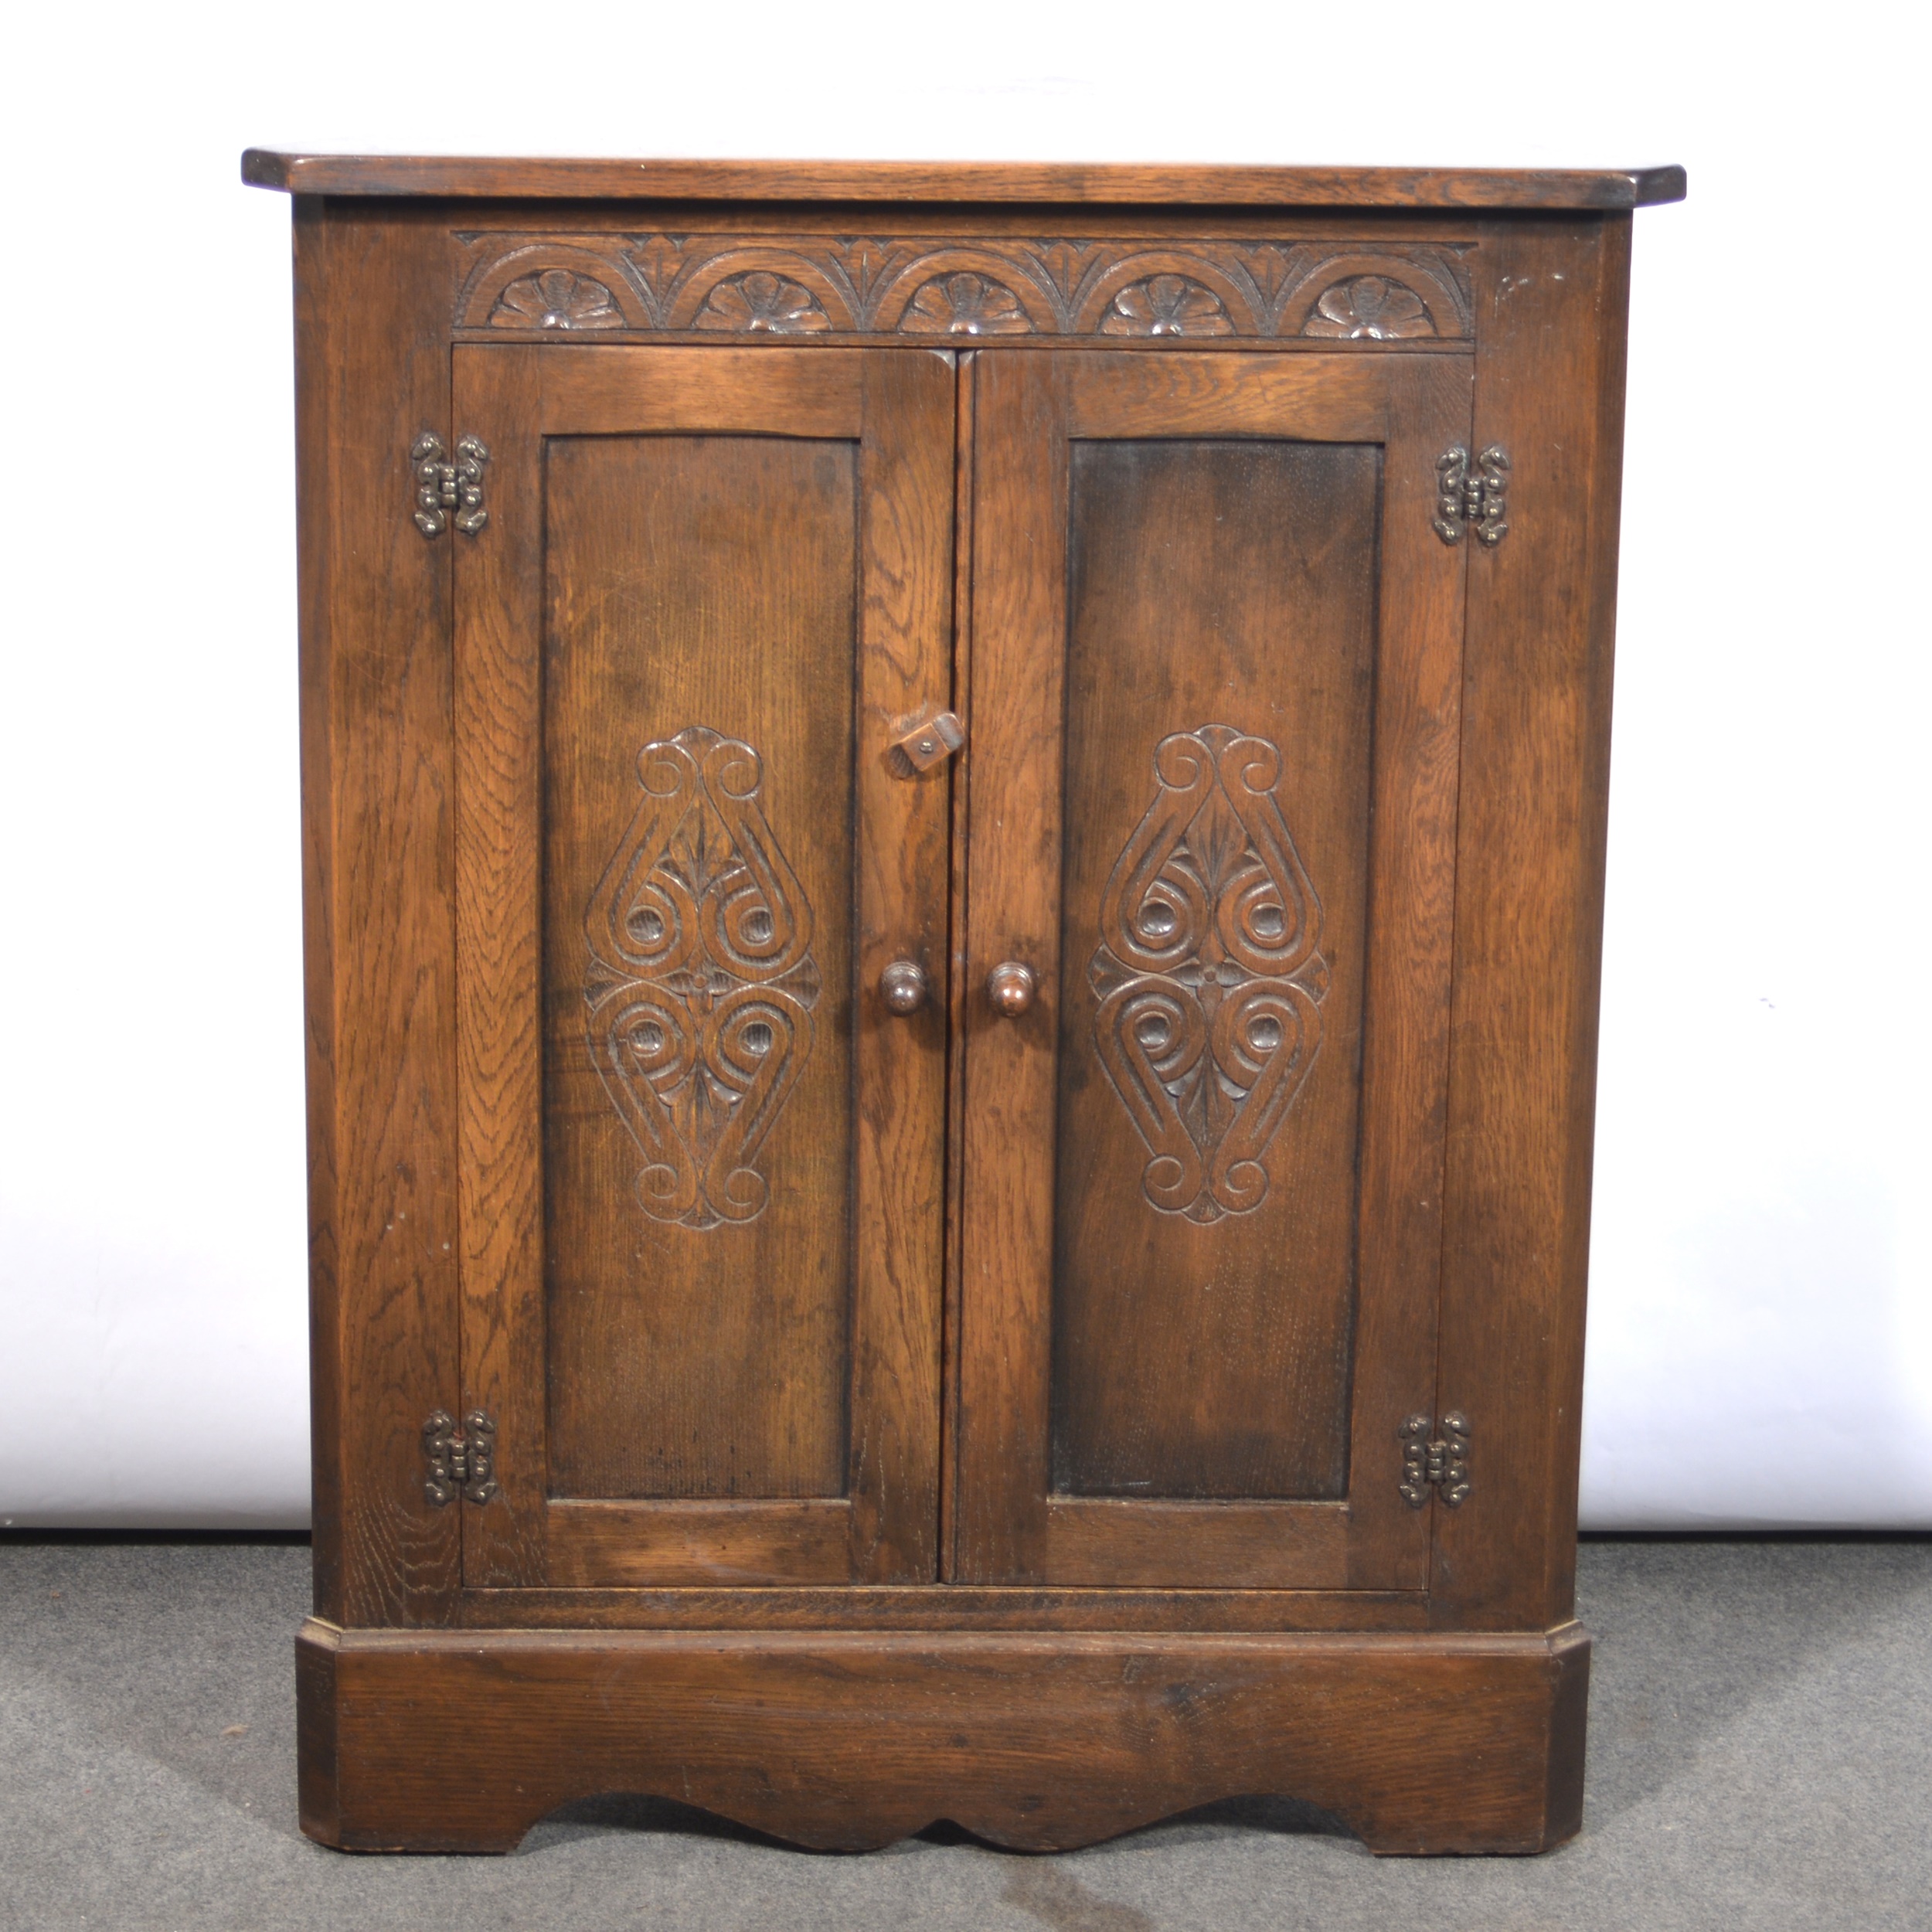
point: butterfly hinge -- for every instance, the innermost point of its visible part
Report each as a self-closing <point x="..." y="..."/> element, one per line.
<point x="1429" y="1461"/>
<point x="448" y="492"/>
<point x="1472" y="496"/>
<point x="462" y="1462"/>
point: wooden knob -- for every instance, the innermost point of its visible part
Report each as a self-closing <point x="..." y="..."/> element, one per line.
<point x="1010" y="987"/>
<point x="903" y="987"/>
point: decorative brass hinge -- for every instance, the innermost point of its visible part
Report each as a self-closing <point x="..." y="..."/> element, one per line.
<point x="461" y="1460"/>
<point x="443" y="487"/>
<point x="1472" y="496"/>
<point x="1440" y="1462"/>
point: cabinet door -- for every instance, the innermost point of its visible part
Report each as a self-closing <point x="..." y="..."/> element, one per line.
<point x="701" y="1163"/>
<point x="1216" y="644"/>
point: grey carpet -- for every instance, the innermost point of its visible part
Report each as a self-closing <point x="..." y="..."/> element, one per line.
<point x="1761" y="1756"/>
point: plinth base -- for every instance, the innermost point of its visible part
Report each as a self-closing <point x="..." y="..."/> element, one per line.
<point x="461" y="1741"/>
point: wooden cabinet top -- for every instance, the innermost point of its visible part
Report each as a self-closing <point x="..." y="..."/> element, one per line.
<point x="1091" y="184"/>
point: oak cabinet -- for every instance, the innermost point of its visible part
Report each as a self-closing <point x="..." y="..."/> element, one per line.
<point x="954" y="833"/>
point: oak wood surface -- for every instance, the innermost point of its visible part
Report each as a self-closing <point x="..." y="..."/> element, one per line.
<point x="1136" y="1345"/>
<point x="1018" y="643"/>
<point x="958" y="873"/>
<point x="1536" y="707"/>
<point x="606" y="1545"/>
<point x="498" y="679"/>
<point x="705" y="581"/>
<point x="1213" y="582"/>
<point x="906" y="278"/>
<point x="372" y="373"/>
<point x="1103" y="1541"/>
<point x="1420" y="1744"/>
<point x="755" y="547"/>
<point x="704" y="1606"/>
<point x="900" y="857"/>
<point x="449" y="175"/>
<point x="774" y="1602"/>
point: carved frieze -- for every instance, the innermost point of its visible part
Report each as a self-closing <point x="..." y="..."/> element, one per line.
<point x="978" y="286"/>
<point x="1208" y="973"/>
<point x="700" y="982"/>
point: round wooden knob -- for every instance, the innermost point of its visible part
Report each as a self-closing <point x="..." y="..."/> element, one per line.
<point x="1010" y="987"/>
<point x="903" y="987"/>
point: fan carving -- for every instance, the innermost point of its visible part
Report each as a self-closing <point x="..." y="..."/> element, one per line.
<point x="791" y="282"/>
<point x="701" y="981"/>
<point x="1210" y="973"/>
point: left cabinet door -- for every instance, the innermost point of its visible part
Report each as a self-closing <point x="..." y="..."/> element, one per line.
<point x="701" y="1179"/>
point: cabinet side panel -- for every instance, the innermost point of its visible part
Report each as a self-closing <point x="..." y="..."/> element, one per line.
<point x="312" y="494"/>
<point x="373" y="374"/>
<point x="1551" y="298"/>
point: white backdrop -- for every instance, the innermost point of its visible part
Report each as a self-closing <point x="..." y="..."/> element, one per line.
<point x="1760" y="1329"/>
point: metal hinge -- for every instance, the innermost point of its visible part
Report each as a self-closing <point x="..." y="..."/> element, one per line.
<point x="1472" y="497"/>
<point x="462" y="1462"/>
<point x="1440" y="1462"/>
<point x="443" y="487"/>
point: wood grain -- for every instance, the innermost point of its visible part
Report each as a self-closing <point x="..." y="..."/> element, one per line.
<point x="373" y="372"/>
<point x="720" y="392"/>
<point x="958" y="1607"/>
<point x="702" y="580"/>
<point x="1420" y="1744"/>
<point x="1099" y="1541"/>
<point x="958" y="856"/>
<point x="1006" y="1205"/>
<point x="1213" y="582"/>
<point x="606" y="1545"/>
<point x="725" y="1493"/>
<point x="1405" y="1071"/>
<point x="1328" y="401"/>
<point x="759" y="547"/>
<point x="900" y="855"/>
<point x="498" y="675"/>
<point x="1549" y="388"/>
<point x="474" y="175"/>
<point x="1200" y="1426"/>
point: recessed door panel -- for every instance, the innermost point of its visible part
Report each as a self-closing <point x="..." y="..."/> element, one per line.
<point x="1214" y="916"/>
<point x="700" y="647"/>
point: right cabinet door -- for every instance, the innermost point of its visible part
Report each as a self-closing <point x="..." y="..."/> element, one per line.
<point x="1216" y="643"/>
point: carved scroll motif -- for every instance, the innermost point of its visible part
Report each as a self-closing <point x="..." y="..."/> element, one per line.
<point x="701" y="981"/>
<point x="1208" y="973"/>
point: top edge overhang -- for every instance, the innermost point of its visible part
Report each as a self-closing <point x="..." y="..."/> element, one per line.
<point x="1098" y="185"/>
